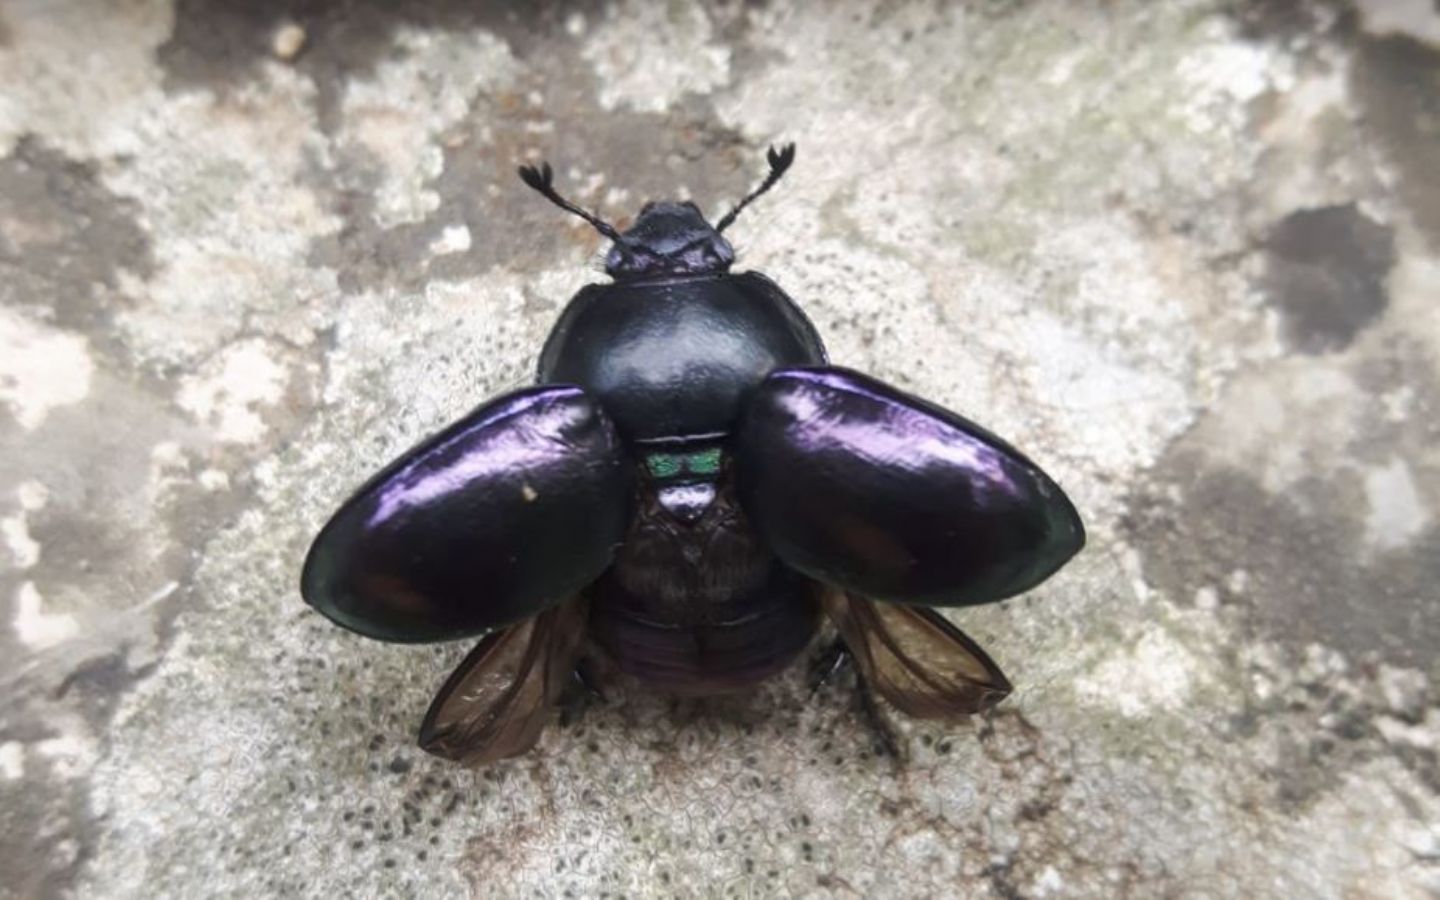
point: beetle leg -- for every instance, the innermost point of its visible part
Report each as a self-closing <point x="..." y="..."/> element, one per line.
<point x="886" y="740"/>
<point x="587" y="678"/>
<point x="828" y="664"/>
<point x="580" y="693"/>
<point x="833" y="660"/>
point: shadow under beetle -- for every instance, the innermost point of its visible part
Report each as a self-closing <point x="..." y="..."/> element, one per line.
<point x="684" y="493"/>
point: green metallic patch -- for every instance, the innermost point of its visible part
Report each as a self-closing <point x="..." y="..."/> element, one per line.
<point x="664" y="465"/>
<point x="706" y="462"/>
<point x="668" y="466"/>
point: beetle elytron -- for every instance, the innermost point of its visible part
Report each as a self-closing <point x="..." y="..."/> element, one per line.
<point x="686" y="490"/>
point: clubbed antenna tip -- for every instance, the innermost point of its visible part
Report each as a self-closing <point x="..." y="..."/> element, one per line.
<point x="780" y="161"/>
<point x="541" y="179"/>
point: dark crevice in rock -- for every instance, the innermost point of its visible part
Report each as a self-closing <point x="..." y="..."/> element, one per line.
<point x="1310" y="578"/>
<point x="65" y="240"/>
<point x="1326" y="270"/>
<point x="1286" y="22"/>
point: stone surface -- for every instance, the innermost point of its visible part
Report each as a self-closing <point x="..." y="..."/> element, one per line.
<point x="1187" y="255"/>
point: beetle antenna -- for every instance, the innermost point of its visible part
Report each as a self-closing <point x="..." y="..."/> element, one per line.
<point x="540" y="179"/>
<point x="780" y="160"/>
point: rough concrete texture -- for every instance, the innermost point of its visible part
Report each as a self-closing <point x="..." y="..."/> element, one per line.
<point x="1186" y="254"/>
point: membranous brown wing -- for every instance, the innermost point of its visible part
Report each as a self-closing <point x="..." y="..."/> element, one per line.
<point x="915" y="659"/>
<point x="497" y="702"/>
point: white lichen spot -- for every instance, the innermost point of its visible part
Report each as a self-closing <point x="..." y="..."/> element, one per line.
<point x="1397" y="512"/>
<point x="232" y="225"/>
<point x="12" y="760"/>
<point x="1049" y="883"/>
<point x="1222" y="77"/>
<point x="1321" y="665"/>
<point x="1414" y="284"/>
<point x="161" y="593"/>
<point x="24" y="549"/>
<point x="1134" y="568"/>
<point x="34" y="626"/>
<point x="1404" y="690"/>
<point x="1256" y="429"/>
<point x="1157" y="673"/>
<point x="649" y="55"/>
<point x="1294" y="180"/>
<point x="1062" y="68"/>
<point x="1238" y="581"/>
<point x="229" y="392"/>
<point x="1396" y="404"/>
<point x="1419" y="19"/>
<point x="16" y="529"/>
<point x="452" y="239"/>
<point x="528" y="492"/>
<point x="397" y="115"/>
<point x="74" y="72"/>
<point x="1207" y="598"/>
<point x="1424" y="735"/>
<point x="70" y="755"/>
<point x="214" y="480"/>
<point x="40" y="369"/>
<point x="33" y="495"/>
<point x="168" y="455"/>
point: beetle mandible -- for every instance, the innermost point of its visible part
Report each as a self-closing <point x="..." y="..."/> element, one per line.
<point x="687" y="491"/>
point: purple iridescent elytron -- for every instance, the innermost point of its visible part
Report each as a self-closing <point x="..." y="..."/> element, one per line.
<point x="862" y="486"/>
<point x="521" y="503"/>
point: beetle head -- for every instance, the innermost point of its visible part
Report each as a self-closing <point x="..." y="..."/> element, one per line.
<point x="668" y="239"/>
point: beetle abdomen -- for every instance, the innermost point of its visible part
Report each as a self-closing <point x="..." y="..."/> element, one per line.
<point x="699" y="606"/>
<point x="712" y="659"/>
<point x="676" y="358"/>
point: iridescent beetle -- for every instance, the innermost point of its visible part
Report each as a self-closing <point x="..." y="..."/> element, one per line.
<point x="682" y="494"/>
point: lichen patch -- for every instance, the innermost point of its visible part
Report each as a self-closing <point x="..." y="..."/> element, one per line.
<point x="40" y="369"/>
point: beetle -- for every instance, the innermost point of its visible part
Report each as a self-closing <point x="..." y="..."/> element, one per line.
<point x="688" y="490"/>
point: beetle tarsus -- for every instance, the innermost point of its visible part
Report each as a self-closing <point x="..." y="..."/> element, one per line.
<point x="887" y="742"/>
<point x="831" y="661"/>
<point x="587" y="679"/>
<point x="580" y="693"/>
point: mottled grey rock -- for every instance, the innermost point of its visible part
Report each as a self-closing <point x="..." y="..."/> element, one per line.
<point x="1186" y="255"/>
